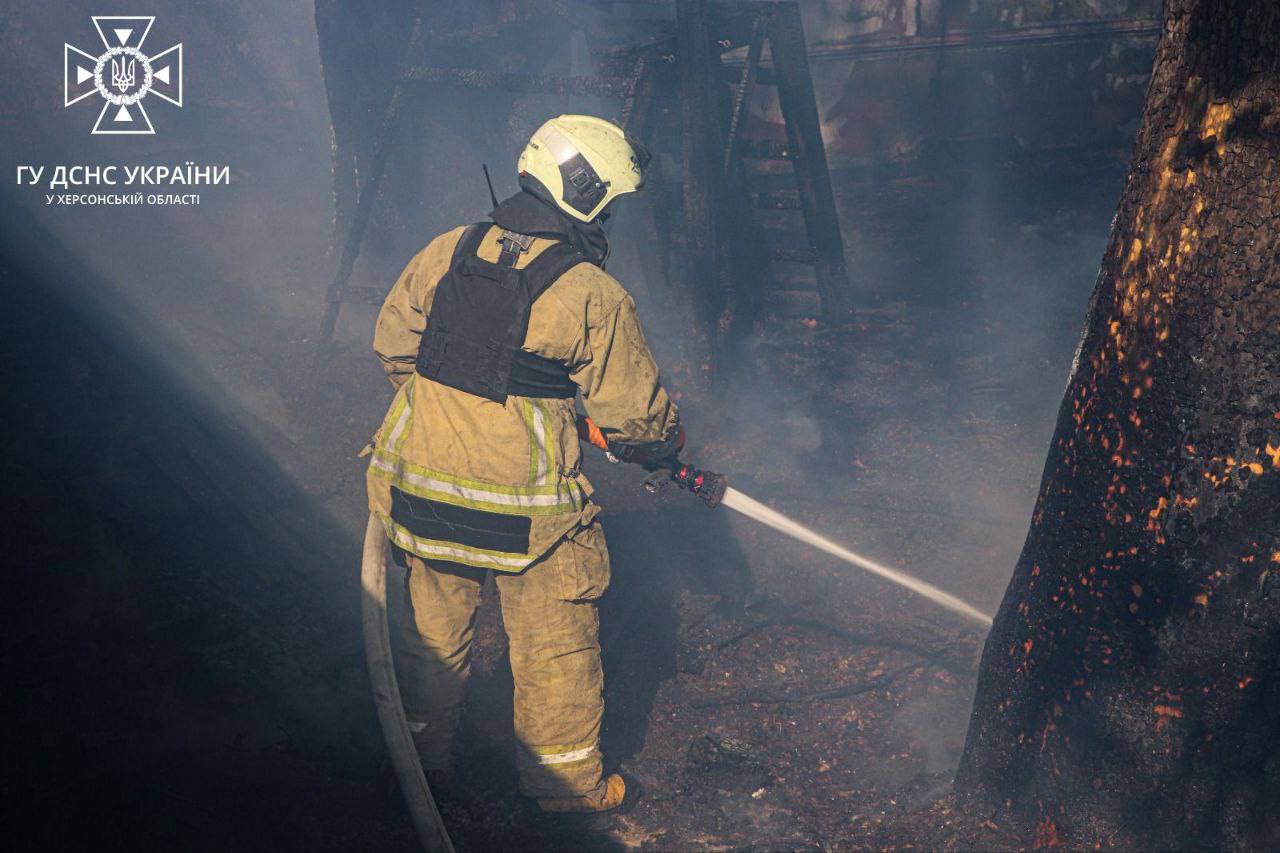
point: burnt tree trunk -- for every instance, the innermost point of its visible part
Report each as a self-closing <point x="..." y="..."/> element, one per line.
<point x="1130" y="688"/>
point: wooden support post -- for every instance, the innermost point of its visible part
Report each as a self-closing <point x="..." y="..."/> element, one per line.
<point x="808" y="155"/>
<point x="638" y="119"/>
<point x="742" y="95"/>
<point x="364" y="208"/>
<point x="700" y="117"/>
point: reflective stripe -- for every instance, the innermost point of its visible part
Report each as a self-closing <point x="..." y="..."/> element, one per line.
<point x="537" y="453"/>
<point x="503" y="491"/>
<point x="568" y="757"/>
<point x="454" y="553"/>
<point x="542" y="446"/>
<point x="399" y="417"/>
<point x="547" y="493"/>
<point x="560" y="145"/>
<point x="416" y="728"/>
<point x="543" y="411"/>
<point x="423" y="482"/>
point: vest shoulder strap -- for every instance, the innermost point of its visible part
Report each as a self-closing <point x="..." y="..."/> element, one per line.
<point x="546" y="269"/>
<point x="469" y="243"/>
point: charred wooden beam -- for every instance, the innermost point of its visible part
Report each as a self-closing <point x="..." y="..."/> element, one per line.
<point x="742" y="94"/>
<point x="809" y="156"/>
<point x="364" y="207"/>
<point x="888" y="47"/>
<point x="700" y="142"/>
<point x="544" y="84"/>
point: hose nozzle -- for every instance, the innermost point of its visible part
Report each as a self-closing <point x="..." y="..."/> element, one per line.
<point x="707" y="485"/>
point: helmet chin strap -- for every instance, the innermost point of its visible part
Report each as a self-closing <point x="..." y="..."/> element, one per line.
<point x="600" y="226"/>
<point x="605" y="221"/>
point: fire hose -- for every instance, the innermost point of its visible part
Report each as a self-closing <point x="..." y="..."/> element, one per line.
<point x="712" y="488"/>
<point x="377" y="637"/>
<point x="386" y="694"/>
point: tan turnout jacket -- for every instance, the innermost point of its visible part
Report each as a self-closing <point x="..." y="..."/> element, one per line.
<point x="521" y="457"/>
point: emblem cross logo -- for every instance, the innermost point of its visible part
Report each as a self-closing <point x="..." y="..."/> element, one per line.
<point x="122" y="74"/>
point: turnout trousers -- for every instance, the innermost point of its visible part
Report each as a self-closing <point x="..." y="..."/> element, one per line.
<point x="552" y="624"/>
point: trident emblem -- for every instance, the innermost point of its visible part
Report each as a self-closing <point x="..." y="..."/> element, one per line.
<point x="122" y="74"/>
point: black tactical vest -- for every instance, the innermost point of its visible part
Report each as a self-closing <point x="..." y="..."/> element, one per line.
<point x="479" y="318"/>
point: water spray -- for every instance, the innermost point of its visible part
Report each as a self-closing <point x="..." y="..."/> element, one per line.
<point x="715" y="490"/>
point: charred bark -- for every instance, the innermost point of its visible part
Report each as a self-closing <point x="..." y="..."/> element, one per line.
<point x="1129" y="690"/>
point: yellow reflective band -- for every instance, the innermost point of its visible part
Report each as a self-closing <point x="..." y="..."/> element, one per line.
<point x="537" y="454"/>
<point x="398" y="417"/>
<point x="542" y="448"/>
<point x="561" y="747"/>
<point x="550" y="499"/>
<point x="567" y="757"/>
<point x="477" y="485"/>
<point x="543" y="411"/>
<point x="453" y="552"/>
<point x="408" y="406"/>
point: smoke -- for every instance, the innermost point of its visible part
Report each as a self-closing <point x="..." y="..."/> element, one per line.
<point x="229" y="285"/>
<point x="914" y="435"/>
<point x="917" y="434"/>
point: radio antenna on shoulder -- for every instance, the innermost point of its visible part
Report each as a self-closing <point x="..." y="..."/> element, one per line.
<point x="487" y="180"/>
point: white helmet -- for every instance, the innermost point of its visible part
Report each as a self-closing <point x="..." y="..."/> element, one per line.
<point x="581" y="163"/>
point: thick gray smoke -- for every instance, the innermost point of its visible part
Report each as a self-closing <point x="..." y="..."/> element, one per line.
<point x="914" y="435"/>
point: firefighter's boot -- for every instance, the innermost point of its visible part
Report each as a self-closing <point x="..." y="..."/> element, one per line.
<point x="609" y="795"/>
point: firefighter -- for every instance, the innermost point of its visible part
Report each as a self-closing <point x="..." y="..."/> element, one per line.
<point x="489" y="335"/>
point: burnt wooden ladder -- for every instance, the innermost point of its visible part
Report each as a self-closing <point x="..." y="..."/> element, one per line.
<point x="712" y="132"/>
<point x="779" y="24"/>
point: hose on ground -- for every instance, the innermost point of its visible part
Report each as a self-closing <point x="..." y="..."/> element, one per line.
<point x="386" y="694"/>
